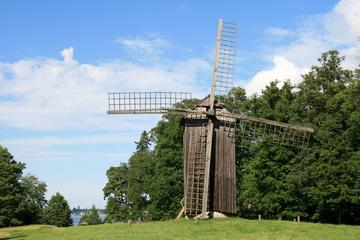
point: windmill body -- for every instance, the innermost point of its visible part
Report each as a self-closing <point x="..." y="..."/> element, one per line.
<point x="210" y="130"/>
<point x="222" y="180"/>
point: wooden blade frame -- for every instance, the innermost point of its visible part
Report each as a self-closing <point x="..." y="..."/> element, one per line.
<point x="226" y="56"/>
<point x="144" y="102"/>
<point x="278" y="132"/>
<point x="210" y="126"/>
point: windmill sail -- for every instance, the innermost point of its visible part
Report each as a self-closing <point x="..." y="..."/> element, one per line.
<point x="278" y="132"/>
<point x="144" y="102"/>
<point x="225" y="59"/>
<point x="222" y="81"/>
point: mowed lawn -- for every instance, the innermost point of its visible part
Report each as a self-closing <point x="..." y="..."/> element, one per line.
<point x="231" y="228"/>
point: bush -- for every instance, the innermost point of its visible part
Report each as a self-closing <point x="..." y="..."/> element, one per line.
<point x="91" y="218"/>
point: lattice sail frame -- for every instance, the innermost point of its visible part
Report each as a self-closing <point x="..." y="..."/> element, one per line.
<point x="144" y="102"/>
<point x="277" y="132"/>
<point x="226" y="56"/>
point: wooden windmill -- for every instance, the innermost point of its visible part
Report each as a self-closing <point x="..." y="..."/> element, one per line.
<point x="209" y="131"/>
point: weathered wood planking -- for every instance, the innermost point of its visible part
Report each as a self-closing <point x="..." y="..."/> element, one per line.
<point x="194" y="164"/>
<point x="224" y="194"/>
<point x="222" y="188"/>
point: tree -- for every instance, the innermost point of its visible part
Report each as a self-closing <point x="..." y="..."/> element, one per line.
<point x="321" y="182"/>
<point x="33" y="199"/>
<point x="57" y="212"/>
<point x="91" y="218"/>
<point x="167" y="181"/>
<point x="140" y="176"/>
<point x="328" y="99"/>
<point x="263" y="167"/>
<point x="127" y="190"/>
<point x="115" y="192"/>
<point x="10" y="189"/>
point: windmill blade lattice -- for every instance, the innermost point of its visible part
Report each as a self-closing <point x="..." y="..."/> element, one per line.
<point x="226" y="55"/>
<point x="277" y="132"/>
<point x="144" y="102"/>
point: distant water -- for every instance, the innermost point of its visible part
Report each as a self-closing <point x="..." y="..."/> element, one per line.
<point x="76" y="218"/>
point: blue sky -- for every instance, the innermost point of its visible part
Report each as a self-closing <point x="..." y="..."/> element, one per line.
<point x="58" y="60"/>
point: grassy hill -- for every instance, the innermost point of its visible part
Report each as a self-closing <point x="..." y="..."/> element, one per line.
<point x="232" y="228"/>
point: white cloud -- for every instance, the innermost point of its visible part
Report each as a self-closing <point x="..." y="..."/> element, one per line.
<point x="48" y="94"/>
<point x="350" y="10"/>
<point x="148" y="46"/>
<point x="94" y="139"/>
<point x="68" y="54"/>
<point x="278" y="32"/>
<point x="338" y="29"/>
<point x="282" y="70"/>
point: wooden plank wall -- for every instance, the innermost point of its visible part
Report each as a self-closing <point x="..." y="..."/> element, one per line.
<point x="222" y="197"/>
<point x="224" y="170"/>
<point x="194" y="164"/>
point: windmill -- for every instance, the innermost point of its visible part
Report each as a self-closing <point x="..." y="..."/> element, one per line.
<point x="210" y="130"/>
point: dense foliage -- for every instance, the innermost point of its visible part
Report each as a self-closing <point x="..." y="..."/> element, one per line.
<point x="321" y="182"/>
<point x="57" y="212"/>
<point x="22" y="198"/>
<point x="91" y="218"/>
<point x="10" y="188"/>
<point x="318" y="183"/>
<point x="33" y="199"/>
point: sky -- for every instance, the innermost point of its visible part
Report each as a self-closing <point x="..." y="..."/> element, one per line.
<point x="59" y="59"/>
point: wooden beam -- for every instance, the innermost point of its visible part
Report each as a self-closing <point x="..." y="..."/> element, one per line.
<point x="209" y="141"/>
<point x="216" y="59"/>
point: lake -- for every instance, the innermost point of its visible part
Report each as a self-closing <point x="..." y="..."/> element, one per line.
<point x="76" y="218"/>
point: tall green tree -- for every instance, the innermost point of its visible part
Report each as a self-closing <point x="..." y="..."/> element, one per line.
<point x="57" y="212"/>
<point x="127" y="190"/>
<point x="167" y="181"/>
<point x="115" y="193"/>
<point x="321" y="182"/>
<point x="328" y="99"/>
<point x="33" y="199"/>
<point x="262" y="166"/>
<point x="10" y="189"/>
<point x="140" y="176"/>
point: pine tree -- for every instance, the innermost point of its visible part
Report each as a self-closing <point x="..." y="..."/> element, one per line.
<point x="57" y="212"/>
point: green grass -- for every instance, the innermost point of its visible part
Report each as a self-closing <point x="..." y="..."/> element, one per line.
<point x="217" y="229"/>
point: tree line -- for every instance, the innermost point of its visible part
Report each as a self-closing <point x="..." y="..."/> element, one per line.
<point x="22" y="197"/>
<point x="320" y="183"/>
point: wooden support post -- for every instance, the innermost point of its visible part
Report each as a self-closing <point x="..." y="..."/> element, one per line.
<point x="180" y="213"/>
<point x="207" y="169"/>
<point x="182" y="209"/>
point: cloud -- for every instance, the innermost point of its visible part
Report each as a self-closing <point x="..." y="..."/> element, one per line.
<point x="68" y="54"/>
<point x="338" y="29"/>
<point x="148" y="46"/>
<point x="275" y="32"/>
<point x="350" y="11"/>
<point x="48" y="94"/>
<point x="94" y="139"/>
<point x="282" y="70"/>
